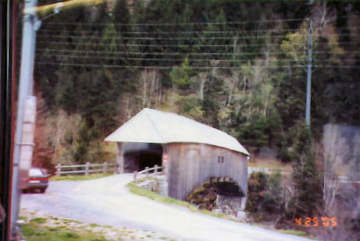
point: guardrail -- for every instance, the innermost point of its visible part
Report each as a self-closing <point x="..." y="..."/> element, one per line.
<point x="86" y="168"/>
<point x="346" y="179"/>
<point x="266" y="170"/>
<point x="156" y="170"/>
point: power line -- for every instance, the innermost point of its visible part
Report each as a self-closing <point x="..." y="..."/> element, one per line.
<point x="180" y="24"/>
<point x="182" y="59"/>
<point x="193" y="67"/>
<point x="172" y="32"/>
<point x="155" y="67"/>
<point x="156" y="45"/>
<point x="47" y="36"/>
<point x="138" y="59"/>
<point x="82" y="44"/>
<point x="155" y="53"/>
<point x="173" y="53"/>
<point x="159" y="32"/>
<point x="159" y="59"/>
<point x="288" y="30"/>
<point x="338" y="67"/>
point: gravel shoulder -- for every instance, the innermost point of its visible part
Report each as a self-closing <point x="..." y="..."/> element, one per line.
<point x="107" y="201"/>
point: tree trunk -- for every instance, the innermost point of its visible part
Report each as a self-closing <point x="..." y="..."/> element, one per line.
<point x="203" y="79"/>
<point x="144" y="102"/>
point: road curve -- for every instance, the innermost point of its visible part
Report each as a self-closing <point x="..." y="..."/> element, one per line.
<point x="107" y="201"/>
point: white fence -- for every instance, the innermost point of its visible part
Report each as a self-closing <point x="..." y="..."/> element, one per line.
<point x="346" y="179"/>
<point x="266" y="170"/>
<point x="86" y="169"/>
<point x="156" y="170"/>
<point x="105" y="167"/>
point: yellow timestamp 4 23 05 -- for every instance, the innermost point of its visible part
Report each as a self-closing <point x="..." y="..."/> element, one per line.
<point x="316" y="221"/>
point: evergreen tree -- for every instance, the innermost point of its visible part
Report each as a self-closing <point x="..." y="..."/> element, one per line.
<point x="260" y="106"/>
<point x="213" y="99"/>
<point x="121" y="16"/>
<point x="307" y="201"/>
<point x="181" y="76"/>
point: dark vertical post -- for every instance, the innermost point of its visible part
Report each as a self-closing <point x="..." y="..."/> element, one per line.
<point x="7" y="86"/>
<point x="120" y="157"/>
<point x="87" y="168"/>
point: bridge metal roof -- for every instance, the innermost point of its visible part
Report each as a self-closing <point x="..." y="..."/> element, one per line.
<point x="154" y="126"/>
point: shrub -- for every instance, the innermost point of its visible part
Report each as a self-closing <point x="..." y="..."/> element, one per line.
<point x="307" y="200"/>
<point x="264" y="196"/>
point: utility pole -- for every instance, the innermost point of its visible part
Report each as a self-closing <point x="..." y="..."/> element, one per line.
<point x="30" y="26"/>
<point x="308" y="84"/>
<point x="26" y="103"/>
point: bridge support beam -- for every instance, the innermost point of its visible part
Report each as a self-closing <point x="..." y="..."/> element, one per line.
<point x="120" y="157"/>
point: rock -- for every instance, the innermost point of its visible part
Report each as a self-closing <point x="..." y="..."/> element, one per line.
<point x="241" y="215"/>
<point x="209" y="196"/>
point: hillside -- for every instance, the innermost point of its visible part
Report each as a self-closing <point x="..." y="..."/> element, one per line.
<point x="237" y="66"/>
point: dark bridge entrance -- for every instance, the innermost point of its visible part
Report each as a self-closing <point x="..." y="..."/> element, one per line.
<point x="139" y="156"/>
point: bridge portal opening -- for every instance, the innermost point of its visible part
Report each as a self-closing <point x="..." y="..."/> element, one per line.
<point x="139" y="156"/>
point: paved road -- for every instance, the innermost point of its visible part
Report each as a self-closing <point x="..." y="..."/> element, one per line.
<point x="107" y="201"/>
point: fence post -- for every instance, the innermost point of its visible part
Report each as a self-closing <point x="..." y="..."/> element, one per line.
<point x="135" y="174"/>
<point x="146" y="171"/>
<point x="116" y="168"/>
<point x="155" y="169"/>
<point x="58" y="170"/>
<point x="119" y="168"/>
<point x="105" y="167"/>
<point x="87" y="167"/>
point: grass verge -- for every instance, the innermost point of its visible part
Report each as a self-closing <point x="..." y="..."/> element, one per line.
<point x="285" y="231"/>
<point x="35" y="231"/>
<point x="294" y="232"/>
<point x="42" y="227"/>
<point x="133" y="188"/>
<point x="271" y="164"/>
<point x="154" y="196"/>
<point x="78" y="177"/>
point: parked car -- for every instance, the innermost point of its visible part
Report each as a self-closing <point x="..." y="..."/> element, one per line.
<point x="38" y="180"/>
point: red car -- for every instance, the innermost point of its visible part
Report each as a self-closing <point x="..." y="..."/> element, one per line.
<point x="38" y="180"/>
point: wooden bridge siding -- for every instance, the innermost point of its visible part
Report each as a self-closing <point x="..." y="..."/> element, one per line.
<point x="191" y="169"/>
<point x="178" y="178"/>
<point x="191" y="164"/>
<point x="173" y="179"/>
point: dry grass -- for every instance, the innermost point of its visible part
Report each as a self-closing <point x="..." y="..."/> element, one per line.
<point x="269" y="163"/>
<point x="154" y="196"/>
<point x="79" y="177"/>
<point x="41" y="227"/>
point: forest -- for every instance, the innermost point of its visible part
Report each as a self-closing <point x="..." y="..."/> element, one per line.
<point x="235" y="65"/>
<point x="239" y="66"/>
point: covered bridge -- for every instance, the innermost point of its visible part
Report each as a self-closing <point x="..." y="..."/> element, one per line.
<point x="190" y="152"/>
